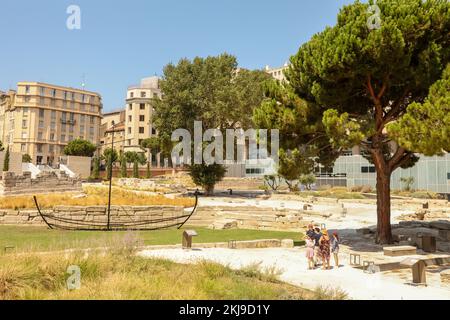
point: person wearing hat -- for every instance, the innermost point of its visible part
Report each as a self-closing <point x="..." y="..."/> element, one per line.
<point x="324" y="249"/>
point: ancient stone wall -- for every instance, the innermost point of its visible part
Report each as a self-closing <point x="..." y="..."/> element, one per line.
<point x="259" y="218"/>
<point x="46" y="181"/>
<point x="95" y="214"/>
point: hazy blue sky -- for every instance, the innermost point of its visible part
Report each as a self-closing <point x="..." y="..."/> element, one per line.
<point x="121" y="42"/>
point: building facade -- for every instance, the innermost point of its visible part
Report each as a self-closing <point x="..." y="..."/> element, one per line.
<point x="112" y="122"/>
<point x="40" y="119"/>
<point x="139" y="113"/>
<point x="277" y="73"/>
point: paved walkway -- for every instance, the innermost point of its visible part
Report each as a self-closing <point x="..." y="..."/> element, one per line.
<point x="293" y="267"/>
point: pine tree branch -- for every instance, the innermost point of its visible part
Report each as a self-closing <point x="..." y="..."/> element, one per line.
<point x="397" y="157"/>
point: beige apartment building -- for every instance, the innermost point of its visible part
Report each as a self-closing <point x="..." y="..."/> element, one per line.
<point x="112" y="122"/>
<point x="277" y="73"/>
<point x="139" y="112"/>
<point x="40" y="119"/>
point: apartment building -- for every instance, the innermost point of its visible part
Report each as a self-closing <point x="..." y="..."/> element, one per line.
<point x="40" y="119"/>
<point x="112" y="123"/>
<point x="139" y="112"/>
<point x="277" y="73"/>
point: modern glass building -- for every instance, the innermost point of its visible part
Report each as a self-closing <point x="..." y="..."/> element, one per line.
<point x="429" y="173"/>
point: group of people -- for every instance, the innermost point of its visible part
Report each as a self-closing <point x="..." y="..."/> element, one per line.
<point x="319" y="247"/>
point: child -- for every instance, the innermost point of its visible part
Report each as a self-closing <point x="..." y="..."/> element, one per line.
<point x="310" y="252"/>
<point x="335" y="248"/>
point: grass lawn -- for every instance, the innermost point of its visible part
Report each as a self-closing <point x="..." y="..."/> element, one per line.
<point x="31" y="238"/>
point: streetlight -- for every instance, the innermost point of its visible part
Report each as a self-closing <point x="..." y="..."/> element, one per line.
<point x="110" y="176"/>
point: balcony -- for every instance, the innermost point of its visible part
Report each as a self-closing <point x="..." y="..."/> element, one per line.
<point x="68" y="121"/>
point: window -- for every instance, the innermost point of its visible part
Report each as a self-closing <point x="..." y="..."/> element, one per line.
<point x="53" y="93"/>
<point x="24" y="123"/>
<point x="23" y="147"/>
<point x="73" y="96"/>
<point x="72" y="116"/>
<point x="51" y="148"/>
<point x="141" y="129"/>
<point x="141" y="118"/>
<point x="27" y="89"/>
<point x="42" y="101"/>
<point x="93" y="109"/>
<point x="52" y="137"/>
<point x="142" y="106"/>
<point x="63" y="127"/>
<point x="27" y="99"/>
<point x="91" y="131"/>
<point x="92" y="119"/>
<point x="366" y="169"/>
<point x="71" y="128"/>
<point x="40" y="135"/>
<point x="64" y="116"/>
<point x="131" y="94"/>
<point x="39" y="148"/>
<point x="130" y="107"/>
<point x="53" y="125"/>
<point x="63" y="137"/>
<point x="254" y="171"/>
<point x="140" y="141"/>
<point x="42" y="91"/>
<point x="25" y="111"/>
<point x="130" y="118"/>
<point x="41" y="113"/>
<point x="143" y="94"/>
<point x="448" y="176"/>
<point x="65" y="95"/>
<point x="53" y="114"/>
<point x="41" y="124"/>
<point x="82" y="118"/>
<point x="70" y="138"/>
<point x="64" y="104"/>
<point x="82" y="129"/>
<point x="129" y="130"/>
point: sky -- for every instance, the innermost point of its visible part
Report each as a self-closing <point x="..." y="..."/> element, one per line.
<point x="121" y="42"/>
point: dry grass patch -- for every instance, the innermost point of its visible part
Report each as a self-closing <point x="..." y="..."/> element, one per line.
<point x="120" y="274"/>
<point x="92" y="196"/>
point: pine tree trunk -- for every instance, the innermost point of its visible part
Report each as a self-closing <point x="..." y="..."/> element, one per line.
<point x="384" y="234"/>
<point x="209" y="190"/>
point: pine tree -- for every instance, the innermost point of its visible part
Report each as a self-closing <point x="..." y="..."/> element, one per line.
<point x="353" y="85"/>
<point x="136" y="169"/>
<point x="6" y="160"/>
<point x="123" y="167"/>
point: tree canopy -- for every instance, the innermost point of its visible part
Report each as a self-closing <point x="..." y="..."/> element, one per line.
<point x="350" y="85"/>
<point x="212" y="90"/>
<point x="80" y="147"/>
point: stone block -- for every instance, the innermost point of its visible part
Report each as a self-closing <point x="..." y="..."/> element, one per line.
<point x="441" y="225"/>
<point x="444" y="235"/>
<point x="287" y="243"/>
<point x="399" y="251"/>
<point x="445" y="278"/>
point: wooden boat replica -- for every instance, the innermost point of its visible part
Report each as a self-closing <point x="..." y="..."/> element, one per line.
<point x="108" y="222"/>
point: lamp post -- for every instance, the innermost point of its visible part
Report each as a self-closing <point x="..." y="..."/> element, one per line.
<point x="110" y="176"/>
